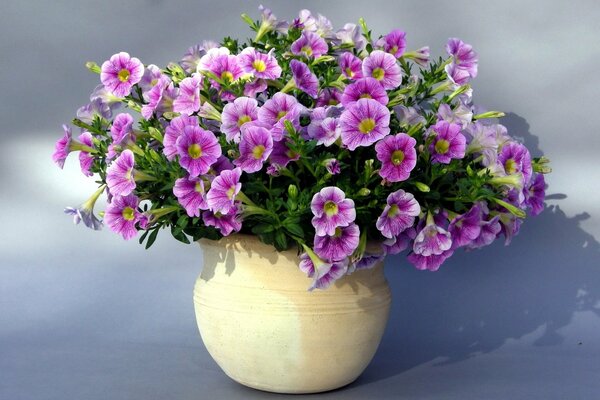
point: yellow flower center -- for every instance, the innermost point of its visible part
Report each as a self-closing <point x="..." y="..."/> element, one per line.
<point x="338" y="232"/>
<point x="397" y="157"/>
<point x="378" y="73"/>
<point x="366" y="125"/>
<point x="393" y="211"/>
<point x="243" y="119"/>
<point x="365" y="96"/>
<point x="123" y="75"/>
<point x="153" y="82"/>
<point x="330" y="208"/>
<point x="349" y="72"/>
<point x="258" y="151"/>
<point x="231" y="192"/>
<point x="281" y="114"/>
<point x="128" y="214"/>
<point x="195" y="151"/>
<point x="307" y="50"/>
<point x="199" y="188"/>
<point x="510" y="166"/>
<point x="227" y="76"/>
<point x="393" y="50"/>
<point x="442" y="146"/>
<point x="259" y="65"/>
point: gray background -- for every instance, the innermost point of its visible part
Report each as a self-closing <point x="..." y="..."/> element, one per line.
<point x="85" y="315"/>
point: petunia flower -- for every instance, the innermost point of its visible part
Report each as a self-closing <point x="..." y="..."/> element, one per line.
<point x="173" y="131"/>
<point x="489" y="231"/>
<point x="122" y="214"/>
<point x="420" y="56"/>
<point x="331" y="209"/>
<point x="432" y="239"/>
<point x="514" y="158"/>
<point x="65" y="145"/>
<point x="383" y="67"/>
<point x="120" y="174"/>
<point x="122" y="128"/>
<point x="120" y="73"/>
<point x="151" y="77"/>
<point x="324" y="273"/>
<point x="350" y="65"/>
<point x="309" y="44"/>
<point x="278" y="109"/>
<point x="329" y="97"/>
<point x="395" y="43"/>
<point x="192" y="56"/>
<point x="85" y="158"/>
<point x="535" y="194"/>
<point x="225" y="223"/>
<point x="430" y="262"/>
<point x="448" y="143"/>
<point x="463" y="67"/>
<point x="398" y="157"/>
<point x="255" y="147"/>
<point x="399" y="214"/>
<point x="188" y="99"/>
<point x="400" y="242"/>
<point x="96" y="108"/>
<point x="365" y="88"/>
<point x="261" y="65"/>
<point x="350" y="36"/>
<point x="237" y="113"/>
<point x="160" y="98"/>
<point x="198" y="149"/>
<point x="85" y="212"/>
<point x="223" y="190"/>
<point x="282" y="155"/>
<point x="461" y="115"/>
<point x="325" y="131"/>
<point x="466" y="228"/>
<point x="338" y="246"/>
<point x="364" y="123"/>
<point x="408" y="115"/>
<point x="191" y="193"/>
<point x="332" y="166"/>
<point x="304" y="78"/>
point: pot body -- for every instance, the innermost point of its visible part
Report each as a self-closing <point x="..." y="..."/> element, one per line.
<point x="266" y="331"/>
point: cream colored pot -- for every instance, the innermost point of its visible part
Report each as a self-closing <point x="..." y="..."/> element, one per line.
<point x="266" y="331"/>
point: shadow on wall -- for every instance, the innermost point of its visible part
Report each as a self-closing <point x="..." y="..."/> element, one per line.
<point x="478" y="300"/>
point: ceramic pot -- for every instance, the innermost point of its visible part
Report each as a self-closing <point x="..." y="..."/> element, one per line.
<point x="266" y="331"/>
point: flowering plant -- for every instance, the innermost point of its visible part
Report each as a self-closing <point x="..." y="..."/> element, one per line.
<point x="305" y="136"/>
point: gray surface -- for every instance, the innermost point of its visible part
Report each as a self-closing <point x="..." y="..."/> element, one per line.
<point x="84" y="315"/>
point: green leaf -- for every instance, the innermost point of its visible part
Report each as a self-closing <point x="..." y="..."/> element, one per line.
<point x="295" y="230"/>
<point x="143" y="237"/>
<point x="262" y="228"/>
<point x="152" y="238"/>
<point x="280" y="240"/>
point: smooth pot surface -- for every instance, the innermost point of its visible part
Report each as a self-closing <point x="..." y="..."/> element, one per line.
<point x="266" y="331"/>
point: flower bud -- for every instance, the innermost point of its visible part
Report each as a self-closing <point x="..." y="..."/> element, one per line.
<point x="293" y="191"/>
<point x="364" y="192"/>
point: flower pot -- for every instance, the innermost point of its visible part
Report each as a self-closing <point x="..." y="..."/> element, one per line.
<point x="266" y="331"/>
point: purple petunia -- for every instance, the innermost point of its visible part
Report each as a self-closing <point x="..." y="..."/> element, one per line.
<point x="364" y="123"/>
<point x="329" y="97"/>
<point x="365" y="88"/>
<point x="198" y="149"/>
<point x="96" y="108"/>
<point x="261" y="65"/>
<point x="331" y="209"/>
<point x="224" y="66"/>
<point x="420" y="56"/>
<point x="282" y="154"/>
<point x="278" y="109"/>
<point x="225" y="223"/>
<point x="463" y="67"/>
<point x="173" y="131"/>
<point x="120" y="175"/>
<point x="304" y="78"/>
<point x="515" y="158"/>
<point x="151" y="77"/>
<point x="398" y="157"/>
<point x="120" y="73"/>
<point x="190" y="193"/>
<point x="383" y="67"/>
<point x="399" y="214"/>
<point x="255" y="147"/>
<point x="395" y="43"/>
<point x="188" y="99"/>
<point x="85" y="158"/>
<point x="489" y="231"/>
<point x="534" y="194"/>
<point x="338" y="246"/>
<point x="432" y="240"/>
<point x="122" y="128"/>
<point x="448" y="143"/>
<point x="325" y="131"/>
<point x="122" y="214"/>
<point x="466" y="228"/>
<point x="62" y="148"/>
<point x="431" y="262"/>
<point x="223" y="189"/>
<point x="309" y="44"/>
<point x="350" y="65"/>
<point x="237" y="113"/>
<point x="160" y="98"/>
<point x="328" y="273"/>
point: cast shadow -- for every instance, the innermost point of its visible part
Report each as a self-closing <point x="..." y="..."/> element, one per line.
<point x="478" y="300"/>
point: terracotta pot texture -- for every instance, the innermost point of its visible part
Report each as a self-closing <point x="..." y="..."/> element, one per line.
<point x="266" y="331"/>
